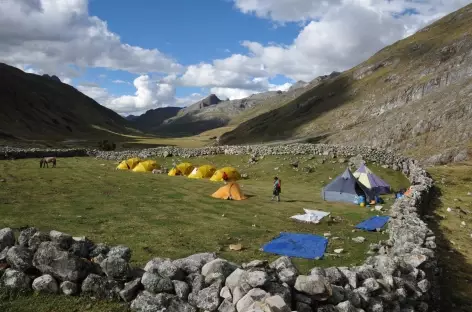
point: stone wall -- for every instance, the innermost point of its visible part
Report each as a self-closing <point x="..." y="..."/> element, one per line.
<point x="400" y="275"/>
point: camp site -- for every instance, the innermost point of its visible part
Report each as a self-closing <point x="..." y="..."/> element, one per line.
<point x="188" y="208"/>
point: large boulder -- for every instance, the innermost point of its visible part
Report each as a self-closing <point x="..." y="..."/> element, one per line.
<point x="206" y="299"/>
<point x="182" y="289"/>
<point x="15" y="280"/>
<point x="154" y="283"/>
<point x="99" y="249"/>
<point x="153" y="265"/>
<point x="130" y="290"/>
<point x="254" y="295"/>
<point x="3" y="254"/>
<point x="286" y="270"/>
<point x="36" y="240"/>
<point x="218" y="266"/>
<point x="148" y="302"/>
<point x="194" y="263"/>
<point x="100" y="287"/>
<point x="20" y="258"/>
<point x="115" y="268"/>
<point x="120" y="251"/>
<point x="63" y="240"/>
<point x="313" y="285"/>
<point x="169" y="270"/>
<point x="7" y="238"/>
<point x="26" y="235"/>
<point x="46" y="284"/>
<point x="49" y="259"/>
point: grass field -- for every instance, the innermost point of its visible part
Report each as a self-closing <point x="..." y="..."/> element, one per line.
<point x="158" y="215"/>
<point x="454" y="232"/>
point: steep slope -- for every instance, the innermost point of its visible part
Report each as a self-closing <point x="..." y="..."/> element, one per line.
<point x="413" y="96"/>
<point x="42" y="107"/>
<point x="153" y="118"/>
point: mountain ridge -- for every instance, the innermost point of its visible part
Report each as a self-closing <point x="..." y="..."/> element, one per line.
<point x="411" y="96"/>
<point x="39" y="107"/>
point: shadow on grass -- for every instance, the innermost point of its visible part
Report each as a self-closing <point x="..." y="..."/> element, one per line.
<point x="455" y="273"/>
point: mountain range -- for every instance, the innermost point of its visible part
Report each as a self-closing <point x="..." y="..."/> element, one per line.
<point x="413" y="96"/>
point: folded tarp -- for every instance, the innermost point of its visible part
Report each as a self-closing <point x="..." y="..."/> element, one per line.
<point x="373" y="223"/>
<point x="311" y="216"/>
<point x="307" y="246"/>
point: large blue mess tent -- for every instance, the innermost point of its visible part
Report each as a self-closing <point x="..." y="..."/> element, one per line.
<point x="346" y="188"/>
<point x="373" y="223"/>
<point x="307" y="246"/>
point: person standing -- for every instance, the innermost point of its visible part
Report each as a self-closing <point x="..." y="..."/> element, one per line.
<point x="277" y="189"/>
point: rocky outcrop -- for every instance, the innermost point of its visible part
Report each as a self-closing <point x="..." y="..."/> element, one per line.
<point x="401" y="275"/>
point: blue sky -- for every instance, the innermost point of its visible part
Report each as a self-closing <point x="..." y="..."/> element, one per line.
<point x="134" y="56"/>
<point x="185" y="30"/>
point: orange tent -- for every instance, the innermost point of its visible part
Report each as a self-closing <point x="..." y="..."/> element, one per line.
<point x="229" y="191"/>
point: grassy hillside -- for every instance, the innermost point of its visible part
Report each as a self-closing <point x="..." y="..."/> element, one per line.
<point x="413" y="96"/>
<point x="37" y="107"/>
<point x="153" y="118"/>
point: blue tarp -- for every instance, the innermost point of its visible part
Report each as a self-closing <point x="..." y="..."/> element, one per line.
<point x="305" y="246"/>
<point x="373" y="223"/>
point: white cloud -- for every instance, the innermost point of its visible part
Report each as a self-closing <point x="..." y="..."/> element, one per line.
<point x="118" y="81"/>
<point x="50" y="34"/>
<point x="149" y="94"/>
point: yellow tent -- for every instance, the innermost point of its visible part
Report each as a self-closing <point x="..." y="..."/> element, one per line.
<point x="146" y="166"/>
<point x="232" y="173"/>
<point x="181" y="169"/>
<point x="128" y="164"/>
<point x="174" y="172"/>
<point x="202" y="172"/>
<point x="229" y="191"/>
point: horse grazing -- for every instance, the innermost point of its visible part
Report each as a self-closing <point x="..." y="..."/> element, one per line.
<point x="44" y="162"/>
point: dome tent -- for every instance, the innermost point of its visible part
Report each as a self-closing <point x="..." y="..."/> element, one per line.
<point x="181" y="169"/>
<point x="232" y="173"/>
<point x="229" y="191"/>
<point x="365" y="176"/>
<point x="202" y="172"/>
<point x="129" y="164"/>
<point x="146" y="166"/>
<point x="345" y="188"/>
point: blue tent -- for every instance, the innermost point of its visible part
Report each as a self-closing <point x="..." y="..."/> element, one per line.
<point x="345" y="188"/>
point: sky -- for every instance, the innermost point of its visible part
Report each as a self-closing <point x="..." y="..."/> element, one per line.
<point x="135" y="56"/>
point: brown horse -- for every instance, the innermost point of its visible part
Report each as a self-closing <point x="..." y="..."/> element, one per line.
<point x="44" y="162"/>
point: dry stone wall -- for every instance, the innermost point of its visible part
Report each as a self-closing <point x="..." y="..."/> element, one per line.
<point x="400" y="275"/>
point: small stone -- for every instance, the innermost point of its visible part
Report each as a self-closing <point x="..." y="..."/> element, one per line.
<point x="147" y="302"/>
<point x="371" y="284"/>
<point x="69" y="288"/>
<point x="207" y="298"/>
<point x="46" y="284"/>
<point x="339" y="250"/>
<point x="182" y="289"/>
<point x="225" y="293"/>
<point x="37" y="239"/>
<point x="277" y="304"/>
<point x="227" y="306"/>
<point x="424" y="285"/>
<point x="238" y="294"/>
<point x="346" y="306"/>
<point x="359" y="239"/>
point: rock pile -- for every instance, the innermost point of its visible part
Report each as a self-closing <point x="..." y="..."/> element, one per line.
<point x="400" y="275"/>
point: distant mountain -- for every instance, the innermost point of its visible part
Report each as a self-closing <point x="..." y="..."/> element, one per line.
<point x="131" y="117"/>
<point x="42" y="107"/>
<point x="153" y="118"/>
<point x="413" y="96"/>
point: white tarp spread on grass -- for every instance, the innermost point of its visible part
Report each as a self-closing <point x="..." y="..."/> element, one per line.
<point x="311" y="216"/>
